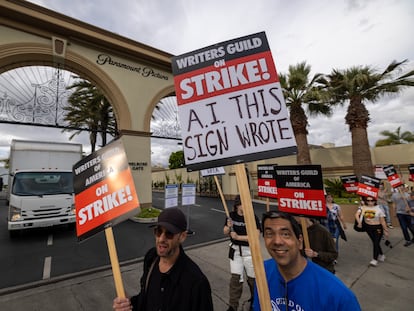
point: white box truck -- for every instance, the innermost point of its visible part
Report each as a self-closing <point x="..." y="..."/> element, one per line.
<point x="40" y="192"/>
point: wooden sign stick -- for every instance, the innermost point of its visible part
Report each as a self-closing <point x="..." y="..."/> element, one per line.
<point x="305" y="232"/>
<point x="267" y="204"/>
<point x="222" y="196"/>
<point x="254" y="243"/>
<point x="116" y="271"/>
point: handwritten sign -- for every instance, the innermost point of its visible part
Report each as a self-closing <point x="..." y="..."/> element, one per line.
<point x="300" y="190"/>
<point x="104" y="190"/>
<point x="230" y="104"/>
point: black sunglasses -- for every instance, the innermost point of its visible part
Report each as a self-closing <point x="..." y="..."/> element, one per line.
<point x="370" y="200"/>
<point x="158" y="231"/>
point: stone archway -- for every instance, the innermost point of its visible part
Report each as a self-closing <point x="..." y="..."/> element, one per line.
<point x="19" y="55"/>
<point x="133" y="76"/>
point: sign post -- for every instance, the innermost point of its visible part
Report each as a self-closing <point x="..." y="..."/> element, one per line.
<point x="116" y="271"/>
<point x="217" y="171"/>
<point x="254" y="244"/>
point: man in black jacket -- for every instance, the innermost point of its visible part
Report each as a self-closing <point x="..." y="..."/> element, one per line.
<point x="322" y="249"/>
<point x="171" y="281"/>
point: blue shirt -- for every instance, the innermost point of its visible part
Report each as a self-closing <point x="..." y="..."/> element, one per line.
<point x="315" y="289"/>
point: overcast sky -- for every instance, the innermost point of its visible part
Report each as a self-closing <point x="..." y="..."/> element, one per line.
<point x="326" y="34"/>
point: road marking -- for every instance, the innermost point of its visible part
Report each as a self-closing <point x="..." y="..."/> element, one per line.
<point x="218" y="210"/>
<point x="50" y="240"/>
<point x="47" y="267"/>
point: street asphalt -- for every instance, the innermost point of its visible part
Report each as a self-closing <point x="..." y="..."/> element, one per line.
<point x="389" y="286"/>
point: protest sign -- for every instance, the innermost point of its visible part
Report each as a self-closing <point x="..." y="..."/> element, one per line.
<point x="368" y="186"/>
<point x="213" y="171"/>
<point x="231" y="110"/>
<point x="104" y="190"/>
<point x="392" y="176"/>
<point x="266" y="181"/>
<point x="254" y="244"/>
<point x="379" y="172"/>
<point x="300" y="190"/>
<point x="350" y="183"/>
<point x="230" y="104"/>
<point x="411" y="172"/>
<point x="104" y="196"/>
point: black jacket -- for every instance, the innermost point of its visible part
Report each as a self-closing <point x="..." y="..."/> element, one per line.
<point x="190" y="288"/>
<point x="321" y="241"/>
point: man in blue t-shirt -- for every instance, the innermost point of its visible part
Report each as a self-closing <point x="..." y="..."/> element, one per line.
<point x="294" y="282"/>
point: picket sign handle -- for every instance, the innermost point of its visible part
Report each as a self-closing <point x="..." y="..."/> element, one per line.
<point x="305" y="232"/>
<point x="253" y="237"/>
<point x="226" y="210"/>
<point x="116" y="271"/>
<point x="267" y="204"/>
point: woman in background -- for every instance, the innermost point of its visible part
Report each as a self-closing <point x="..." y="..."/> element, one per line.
<point x="375" y="225"/>
<point x="333" y="219"/>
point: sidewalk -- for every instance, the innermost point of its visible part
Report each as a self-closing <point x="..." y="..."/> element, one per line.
<point x="390" y="286"/>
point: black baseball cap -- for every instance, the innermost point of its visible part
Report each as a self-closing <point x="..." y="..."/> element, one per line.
<point x="172" y="219"/>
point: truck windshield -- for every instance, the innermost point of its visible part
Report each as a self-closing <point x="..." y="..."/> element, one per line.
<point x="42" y="183"/>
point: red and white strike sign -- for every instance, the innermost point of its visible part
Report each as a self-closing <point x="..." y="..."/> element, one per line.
<point x="104" y="190"/>
<point x="300" y="190"/>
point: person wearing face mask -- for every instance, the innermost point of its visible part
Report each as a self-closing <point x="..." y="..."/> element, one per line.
<point x="171" y="280"/>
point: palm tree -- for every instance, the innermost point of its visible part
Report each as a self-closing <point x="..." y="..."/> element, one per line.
<point x="89" y="108"/>
<point x="395" y="138"/>
<point x="355" y="86"/>
<point x="298" y="90"/>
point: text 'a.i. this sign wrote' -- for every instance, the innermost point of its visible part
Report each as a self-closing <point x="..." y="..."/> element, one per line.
<point x="230" y="104"/>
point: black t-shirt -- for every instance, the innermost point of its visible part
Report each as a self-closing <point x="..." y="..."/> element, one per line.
<point x="184" y="287"/>
<point x="239" y="226"/>
<point x="159" y="287"/>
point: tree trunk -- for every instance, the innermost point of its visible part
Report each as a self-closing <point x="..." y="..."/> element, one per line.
<point x="303" y="156"/>
<point x="361" y="153"/>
